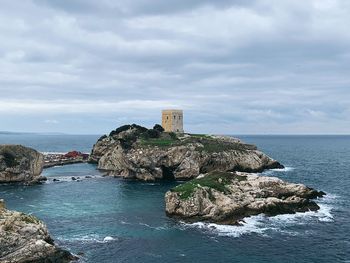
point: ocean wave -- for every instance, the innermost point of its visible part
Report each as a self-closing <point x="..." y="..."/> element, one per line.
<point x="264" y="225"/>
<point x="285" y="169"/>
<point x="278" y="170"/>
<point x="153" y="227"/>
<point x="93" y="238"/>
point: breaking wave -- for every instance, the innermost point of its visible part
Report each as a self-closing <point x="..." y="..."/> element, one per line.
<point x="89" y="239"/>
<point x="265" y="225"/>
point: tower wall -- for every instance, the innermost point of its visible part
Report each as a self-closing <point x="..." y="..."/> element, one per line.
<point x="172" y="121"/>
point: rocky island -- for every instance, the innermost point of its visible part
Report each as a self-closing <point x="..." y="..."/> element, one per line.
<point x="25" y="239"/>
<point x="228" y="197"/>
<point x="222" y="186"/>
<point x="20" y="164"/>
<point x="135" y="152"/>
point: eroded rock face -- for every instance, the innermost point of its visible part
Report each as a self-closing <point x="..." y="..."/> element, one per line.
<point x="227" y="198"/>
<point x="24" y="238"/>
<point x="130" y="153"/>
<point x="20" y="164"/>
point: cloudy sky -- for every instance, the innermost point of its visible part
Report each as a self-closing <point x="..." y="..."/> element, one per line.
<point x="235" y="67"/>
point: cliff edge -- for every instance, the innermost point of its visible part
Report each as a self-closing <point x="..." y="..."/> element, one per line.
<point x="228" y="197"/>
<point x="20" y="164"/>
<point x="25" y="239"/>
<point x="132" y="151"/>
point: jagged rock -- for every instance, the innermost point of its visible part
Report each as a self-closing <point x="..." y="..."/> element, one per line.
<point x="226" y="198"/>
<point x="20" y="164"/>
<point x="131" y="151"/>
<point x="24" y="239"/>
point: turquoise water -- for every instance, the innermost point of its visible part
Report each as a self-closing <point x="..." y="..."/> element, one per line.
<point x="113" y="220"/>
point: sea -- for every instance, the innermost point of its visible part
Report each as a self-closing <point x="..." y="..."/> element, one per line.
<point x="106" y="219"/>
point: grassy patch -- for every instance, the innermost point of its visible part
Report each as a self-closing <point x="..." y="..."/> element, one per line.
<point x="215" y="180"/>
<point x="200" y="135"/>
<point x="165" y="140"/>
<point x="157" y="142"/>
<point x="29" y="219"/>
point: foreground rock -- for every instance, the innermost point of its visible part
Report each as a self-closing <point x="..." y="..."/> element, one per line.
<point x="20" y="164"/>
<point x="23" y="238"/>
<point x="132" y="151"/>
<point x="226" y="198"/>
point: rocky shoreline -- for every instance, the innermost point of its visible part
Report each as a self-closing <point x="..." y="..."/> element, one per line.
<point x="19" y="164"/>
<point x="24" y="239"/>
<point x="229" y="197"/>
<point x="220" y="173"/>
<point x="221" y="188"/>
<point x="135" y="152"/>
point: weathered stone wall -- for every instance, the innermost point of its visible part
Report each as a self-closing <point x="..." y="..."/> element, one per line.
<point x="172" y="121"/>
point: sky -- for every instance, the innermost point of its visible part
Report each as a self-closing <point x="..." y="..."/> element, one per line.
<point x="234" y="67"/>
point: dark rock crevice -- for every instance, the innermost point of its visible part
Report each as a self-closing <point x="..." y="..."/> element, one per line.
<point x="168" y="173"/>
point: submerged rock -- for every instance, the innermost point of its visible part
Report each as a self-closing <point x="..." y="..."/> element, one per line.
<point x="132" y="151"/>
<point x="228" y="197"/>
<point x="20" y="164"/>
<point x="24" y="238"/>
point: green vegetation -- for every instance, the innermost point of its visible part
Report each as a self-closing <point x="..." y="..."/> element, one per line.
<point x="199" y="135"/>
<point x="173" y="135"/>
<point x="157" y="142"/>
<point x="10" y="159"/>
<point x="164" y="139"/>
<point x="29" y="219"/>
<point x="158" y="127"/>
<point x="215" y="180"/>
<point x="157" y="137"/>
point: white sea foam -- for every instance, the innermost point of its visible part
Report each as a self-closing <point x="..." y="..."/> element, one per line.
<point x="264" y="225"/>
<point x="108" y="238"/>
<point x="93" y="238"/>
<point x="272" y="171"/>
<point x="153" y="227"/>
<point x="285" y="169"/>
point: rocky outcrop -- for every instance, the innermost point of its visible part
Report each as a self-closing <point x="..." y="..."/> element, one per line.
<point x="20" y="164"/>
<point x="133" y="151"/>
<point x="227" y="198"/>
<point x="24" y="239"/>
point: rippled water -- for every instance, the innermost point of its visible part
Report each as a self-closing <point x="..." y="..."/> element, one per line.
<point x="113" y="220"/>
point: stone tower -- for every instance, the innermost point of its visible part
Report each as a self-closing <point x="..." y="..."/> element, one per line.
<point x="172" y="121"/>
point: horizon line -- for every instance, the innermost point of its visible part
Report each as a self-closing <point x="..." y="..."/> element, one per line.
<point x="238" y="134"/>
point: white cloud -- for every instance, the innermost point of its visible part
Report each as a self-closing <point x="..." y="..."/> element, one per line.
<point x="52" y="121"/>
<point x="86" y="106"/>
<point x="269" y="64"/>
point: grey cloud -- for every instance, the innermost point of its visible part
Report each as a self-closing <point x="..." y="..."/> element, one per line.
<point x="137" y="7"/>
<point x="256" y="63"/>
